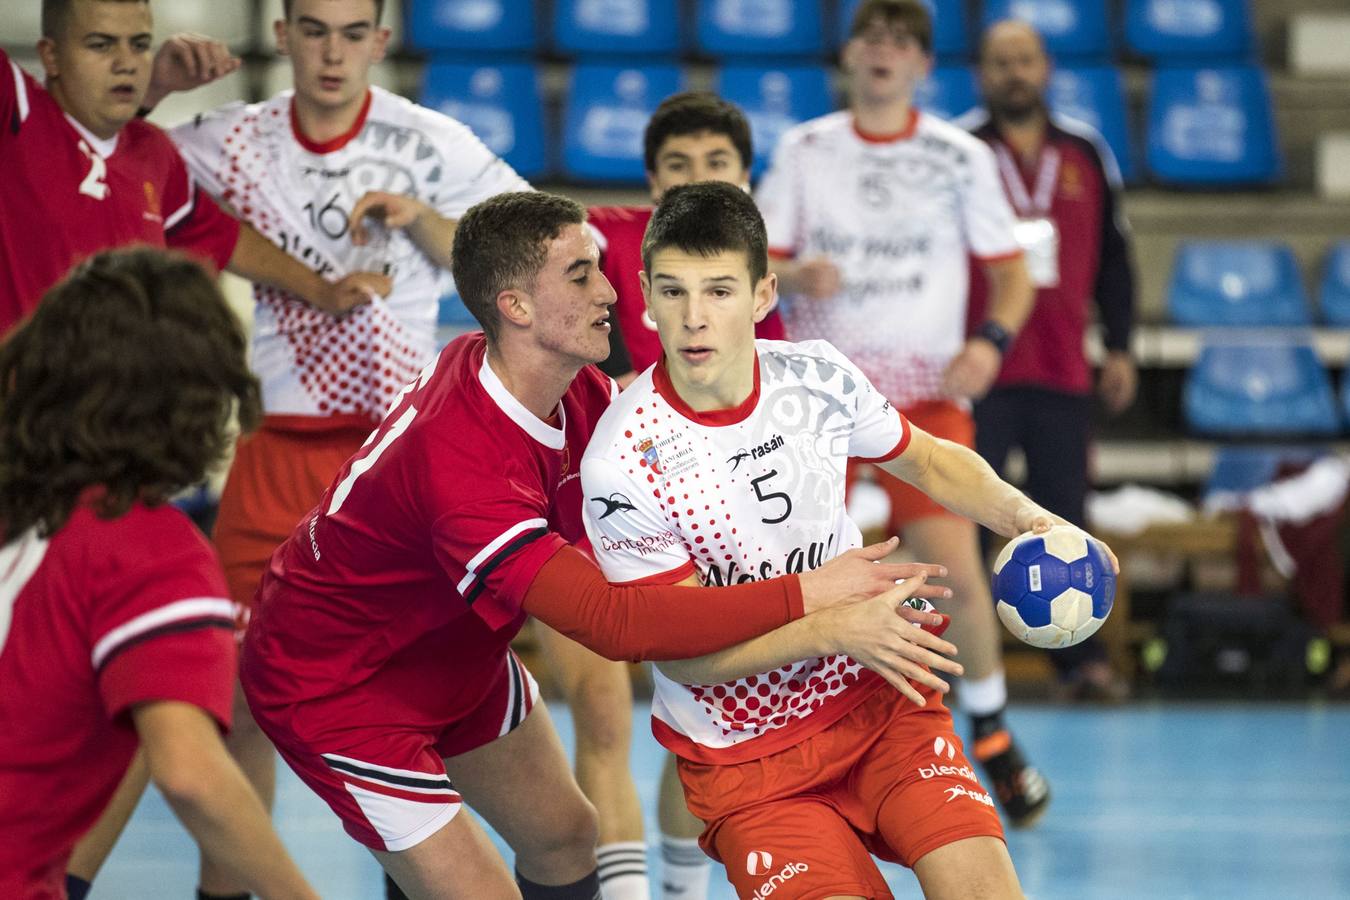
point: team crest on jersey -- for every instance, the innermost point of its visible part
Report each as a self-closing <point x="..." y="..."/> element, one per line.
<point x="650" y="459"/>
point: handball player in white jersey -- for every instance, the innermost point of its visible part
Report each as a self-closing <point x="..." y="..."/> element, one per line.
<point x="874" y="213"/>
<point x="725" y="463"/>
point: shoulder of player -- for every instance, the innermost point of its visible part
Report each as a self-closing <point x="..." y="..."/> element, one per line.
<point x="1080" y="134"/>
<point x="817" y="131"/>
<point x="814" y="349"/>
<point x="976" y="121"/>
<point x="935" y="128"/>
<point x="144" y="537"/>
<point x="621" y="414"/>
<point x="386" y="106"/>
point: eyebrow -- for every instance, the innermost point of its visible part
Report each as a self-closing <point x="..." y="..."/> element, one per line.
<point x="310" y="20"/>
<point x="103" y="36"/>
<point x="661" y="276"/>
<point x="577" y="264"/>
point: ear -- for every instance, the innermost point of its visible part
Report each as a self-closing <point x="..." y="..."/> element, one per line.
<point x="652" y="188"/>
<point x="515" y="307"/>
<point x="280" y="32"/>
<point x="646" y="283"/>
<point x="46" y="48"/>
<point x="766" y="296"/>
<point x="381" y="43"/>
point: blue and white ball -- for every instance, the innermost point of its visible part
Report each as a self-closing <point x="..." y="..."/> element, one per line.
<point x="1054" y="589"/>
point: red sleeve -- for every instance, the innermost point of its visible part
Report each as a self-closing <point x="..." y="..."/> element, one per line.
<point x="570" y="595"/>
<point x="195" y="666"/>
<point x="192" y="220"/>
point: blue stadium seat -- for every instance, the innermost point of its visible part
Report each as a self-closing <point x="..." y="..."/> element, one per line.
<point x="1259" y="385"/>
<point x="1237" y="283"/>
<point x="1335" y="293"/>
<point x="606" y="113"/>
<point x="1096" y="95"/>
<point x="1212" y="126"/>
<point x="471" y="25"/>
<point x="731" y="28"/>
<point x="500" y="103"/>
<point x="774" y="100"/>
<point x="454" y="313"/>
<point x="1239" y="468"/>
<point x="1176" y="30"/>
<point x="613" y="27"/>
<point x="951" y="38"/>
<point x="1070" y="28"/>
<point x="948" y="92"/>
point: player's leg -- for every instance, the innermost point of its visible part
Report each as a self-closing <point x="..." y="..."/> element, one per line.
<point x="600" y="695"/>
<point x="976" y="868"/>
<point x="685" y="868"/>
<point x="522" y="785"/>
<point x="458" y="862"/>
<point x="93" y="849"/>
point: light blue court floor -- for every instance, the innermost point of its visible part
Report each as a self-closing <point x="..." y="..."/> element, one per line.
<point x="1224" y="801"/>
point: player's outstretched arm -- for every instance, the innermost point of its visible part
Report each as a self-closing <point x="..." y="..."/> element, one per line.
<point x="432" y="232"/>
<point x="258" y="259"/>
<point x="209" y="794"/>
<point x="880" y="633"/>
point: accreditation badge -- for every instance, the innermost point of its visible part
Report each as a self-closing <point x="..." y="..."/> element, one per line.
<point x="1039" y="239"/>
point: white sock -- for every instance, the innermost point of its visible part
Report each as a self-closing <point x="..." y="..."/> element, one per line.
<point x="623" y="871"/>
<point x="684" y="869"/>
<point x="984" y="696"/>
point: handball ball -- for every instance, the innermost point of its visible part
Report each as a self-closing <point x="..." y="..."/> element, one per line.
<point x="1054" y="589"/>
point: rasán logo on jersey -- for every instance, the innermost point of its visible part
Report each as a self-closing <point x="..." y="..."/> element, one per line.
<point x="755" y="452"/>
<point x="614" y="503"/>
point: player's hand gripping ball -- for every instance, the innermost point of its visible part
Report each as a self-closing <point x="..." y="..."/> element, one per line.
<point x="1054" y="589"/>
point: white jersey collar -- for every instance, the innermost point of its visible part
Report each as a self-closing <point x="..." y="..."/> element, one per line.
<point x="541" y="431"/>
<point x="104" y="147"/>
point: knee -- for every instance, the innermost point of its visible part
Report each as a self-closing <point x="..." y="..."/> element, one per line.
<point x="571" y="832"/>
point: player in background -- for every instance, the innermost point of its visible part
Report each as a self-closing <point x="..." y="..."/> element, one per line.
<point x="310" y="169"/>
<point x="115" y="628"/>
<point x="378" y="658"/>
<point x="872" y="214"/>
<point x="1064" y="185"/>
<point x="693" y="136"/>
<point x="800" y="754"/>
<point x="83" y="174"/>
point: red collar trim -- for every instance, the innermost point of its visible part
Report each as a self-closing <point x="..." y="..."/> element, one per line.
<point x="715" y="417"/>
<point x="338" y="142"/>
<point x="903" y="134"/>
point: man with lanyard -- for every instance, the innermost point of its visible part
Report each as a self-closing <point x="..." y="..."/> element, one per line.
<point x="1064" y="185"/>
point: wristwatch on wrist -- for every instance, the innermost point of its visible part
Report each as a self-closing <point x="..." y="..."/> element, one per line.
<point x="995" y="334"/>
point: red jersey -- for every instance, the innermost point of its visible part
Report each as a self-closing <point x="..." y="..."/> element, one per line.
<point x="425" y="543"/>
<point x="619" y="231"/>
<point x="66" y="194"/>
<point x="104" y="615"/>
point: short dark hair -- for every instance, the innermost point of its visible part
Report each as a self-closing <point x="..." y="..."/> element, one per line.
<point x="708" y="217"/>
<point x="692" y="112"/>
<point x="287" y="4"/>
<point x="125" y="378"/>
<point x="502" y="243"/>
<point x="55" y="14"/>
<point x="912" y="14"/>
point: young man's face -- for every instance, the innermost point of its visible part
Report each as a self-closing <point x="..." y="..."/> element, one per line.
<point x="705" y="309"/>
<point x="701" y="156"/>
<point x="885" y="63"/>
<point x="571" y="299"/>
<point x="332" y="45"/>
<point x="99" y="68"/>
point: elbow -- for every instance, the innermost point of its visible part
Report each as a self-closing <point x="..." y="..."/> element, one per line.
<point x="182" y="782"/>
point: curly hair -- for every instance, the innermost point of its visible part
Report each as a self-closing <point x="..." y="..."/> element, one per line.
<point x="125" y="380"/>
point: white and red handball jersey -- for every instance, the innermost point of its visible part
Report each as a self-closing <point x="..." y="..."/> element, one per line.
<point x="426" y="542"/>
<point x="298" y="194"/>
<point x="104" y="615"/>
<point x="739" y="495"/>
<point x="900" y="217"/>
<point x="66" y="194"/>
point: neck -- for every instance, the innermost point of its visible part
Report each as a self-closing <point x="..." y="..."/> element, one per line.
<point x="535" y="377"/>
<point x="321" y="124"/>
<point x="882" y="117"/>
<point x="729" y="391"/>
<point x="1025" y="136"/>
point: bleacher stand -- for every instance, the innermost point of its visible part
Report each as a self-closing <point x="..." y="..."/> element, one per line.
<point x="949" y="92"/>
<point x="1071" y="29"/>
<point x="1245" y="283"/>
<point x="501" y="103"/>
<point x="1334" y="296"/>
<point x="727" y="29"/>
<point x="1212" y="126"/>
<point x="472" y="26"/>
<point x="1182" y="30"/>
<point x="1259" y="385"/>
<point x="610" y="28"/>
<point x="607" y="110"/>
<point x="1095" y="95"/>
<point x="775" y="99"/>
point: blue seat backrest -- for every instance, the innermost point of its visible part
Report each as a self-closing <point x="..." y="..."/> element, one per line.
<point x="1335" y="292"/>
<point x="951" y="33"/>
<point x="1178" y="30"/>
<point x="1212" y="126"/>
<point x="1095" y="95"/>
<point x="617" y="27"/>
<point x="1237" y="283"/>
<point x="737" y="28"/>
<point x="471" y="25"/>
<point x="605" y="116"/>
<point x="774" y="99"/>
<point x="948" y="92"/>
<point x="1259" y="385"/>
<point x="501" y="104"/>
<point x="1070" y="28"/>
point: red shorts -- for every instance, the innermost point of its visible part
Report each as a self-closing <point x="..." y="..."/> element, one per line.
<point x="385" y="780"/>
<point x="888" y="779"/>
<point x="940" y="418"/>
<point x="279" y="473"/>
